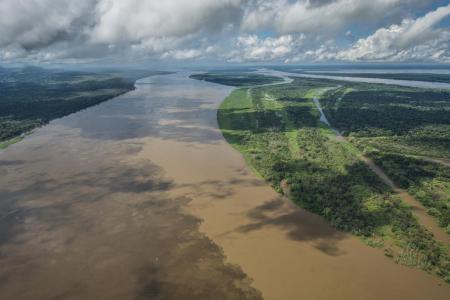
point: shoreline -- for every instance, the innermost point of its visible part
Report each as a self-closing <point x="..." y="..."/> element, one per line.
<point x="15" y="139"/>
<point x="125" y="193"/>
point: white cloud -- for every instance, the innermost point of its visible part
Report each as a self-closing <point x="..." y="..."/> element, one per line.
<point x="322" y="53"/>
<point x="38" y="23"/>
<point x="134" y="21"/>
<point x="183" y="54"/>
<point x="43" y="28"/>
<point x="234" y="30"/>
<point x="325" y="17"/>
<point x="253" y="48"/>
<point x="411" y="40"/>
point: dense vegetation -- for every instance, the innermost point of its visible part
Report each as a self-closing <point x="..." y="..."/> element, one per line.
<point x="31" y="96"/>
<point x="429" y="182"/>
<point x="277" y="129"/>
<point x="237" y="79"/>
<point x="405" y="130"/>
<point x="383" y="110"/>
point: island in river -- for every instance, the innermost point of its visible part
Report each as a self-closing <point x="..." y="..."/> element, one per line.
<point x="141" y="197"/>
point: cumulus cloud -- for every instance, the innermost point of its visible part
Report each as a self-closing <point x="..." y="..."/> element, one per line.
<point x="325" y="16"/>
<point x="410" y="40"/>
<point x="324" y="52"/>
<point x="232" y="30"/>
<point x="38" y="23"/>
<point x="184" y="54"/>
<point x="139" y="20"/>
<point x="150" y="27"/>
<point x="253" y="48"/>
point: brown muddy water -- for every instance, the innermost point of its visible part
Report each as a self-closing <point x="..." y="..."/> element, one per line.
<point x="141" y="197"/>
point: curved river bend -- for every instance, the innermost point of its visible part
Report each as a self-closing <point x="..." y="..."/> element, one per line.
<point x="141" y="197"/>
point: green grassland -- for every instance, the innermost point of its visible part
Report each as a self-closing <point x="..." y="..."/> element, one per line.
<point x="278" y="131"/>
<point x="31" y="97"/>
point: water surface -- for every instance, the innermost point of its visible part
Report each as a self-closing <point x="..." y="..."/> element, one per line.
<point x="408" y="83"/>
<point x="141" y="197"/>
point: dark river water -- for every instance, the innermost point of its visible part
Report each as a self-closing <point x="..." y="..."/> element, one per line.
<point x="140" y="197"/>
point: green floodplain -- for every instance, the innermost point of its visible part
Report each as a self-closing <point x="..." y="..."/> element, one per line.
<point x="32" y="96"/>
<point x="405" y="131"/>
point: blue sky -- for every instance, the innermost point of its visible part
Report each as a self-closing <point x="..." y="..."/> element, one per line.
<point x="233" y="31"/>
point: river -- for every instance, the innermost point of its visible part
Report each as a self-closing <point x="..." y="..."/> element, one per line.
<point x="140" y="197"/>
<point x="409" y="83"/>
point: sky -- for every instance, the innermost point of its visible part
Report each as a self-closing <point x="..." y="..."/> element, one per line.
<point x="225" y="31"/>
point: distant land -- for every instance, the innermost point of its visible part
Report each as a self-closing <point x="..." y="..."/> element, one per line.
<point x="398" y="76"/>
<point x="33" y="96"/>
<point x="236" y="79"/>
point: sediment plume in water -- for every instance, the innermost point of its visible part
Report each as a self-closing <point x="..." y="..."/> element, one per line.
<point x="142" y="198"/>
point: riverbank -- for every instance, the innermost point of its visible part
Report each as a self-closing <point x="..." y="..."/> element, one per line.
<point x="142" y="197"/>
<point x="282" y="139"/>
<point x="32" y="97"/>
<point x="9" y="142"/>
